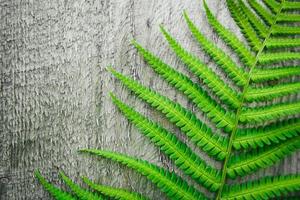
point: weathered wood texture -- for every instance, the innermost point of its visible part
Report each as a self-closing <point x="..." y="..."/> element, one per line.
<point x="54" y="87"/>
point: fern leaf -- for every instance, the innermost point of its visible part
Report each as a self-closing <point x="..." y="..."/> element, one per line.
<point x="55" y="192"/>
<point x="265" y="188"/>
<point x="285" y="30"/>
<point x="212" y="80"/>
<point x="272" y="134"/>
<point x="199" y="133"/>
<point x="282" y="42"/>
<point x="236" y="45"/>
<point x="287" y="5"/>
<point x="271" y="92"/>
<point x="254" y="20"/>
<point x="78" y="191"/>
<point x="260" y="75"/>
<point x="250" y="162"/>
<point x="216" y="113"/>
<point x="266" y="58"/>
<point x="262" y="12"/>
<point x="244" y="24"/>
<point x="261" y="114"/>
<point x="115" y="193"/>
<point x="272" y="5"/>
<point x="168" y="182"/>
<point x="178" y="151"/>
<point x="287" y="17"/>
<point x="219" y="56"/>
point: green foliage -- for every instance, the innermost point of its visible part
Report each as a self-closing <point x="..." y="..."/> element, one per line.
<point x="266" y="135"/>
<point x="267" y="113"/>
<point x="245" y="137"/>
<point x="266" y="188"/>
<point x="215" y="112"/>
<point x="247" y="163"/>
<point x="178" y="151"/>
<point x="271" y="92"/>
<point x="209" y="77"/>
<point x="174" y="186"/>
<point x="261" y="75"/>
<point x="196" y="130"/>
<point x="77" y="190"/>
<point x="53" y="190"/>
<point x="112" y="192"/>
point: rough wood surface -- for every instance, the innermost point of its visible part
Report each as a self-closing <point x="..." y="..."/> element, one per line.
<point x="54" y="87"/>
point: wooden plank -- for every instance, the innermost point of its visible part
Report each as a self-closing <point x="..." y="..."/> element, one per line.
<point x="54" y="87"/>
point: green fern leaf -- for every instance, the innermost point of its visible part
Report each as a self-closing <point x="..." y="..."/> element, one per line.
<point x="205" y="73"/>
<point x="288" y="5"/>
<point x="265" y="188"/>
<point x="57" y="193"/>
<point x="220" y="57"/>
<point x="115" y="193"/>
<point x="265" y="113"/>
<point x="178" y="151"/>
<point x="256" y="23"/>
<point x="216" y="113"/>
<point x="250" y="162"/>
<point x="260" y="75"/>
<point x="236" y="45"/>
<point x="199" y="133"/>
<point x="266" y="135"/>
<point x="266" y="58"/>
<point x="78" y="191"/>
<point x="287" y="17"/>
<point x="267" y="93"/>
<point x="246" y="28"/>
<point x="262" y="12"/>
<point x="282" y="42"/>
<point x="272" y="5"/>
<point x="174" y="186"/>
<point x="285" y="30"/>
<point x="258" y="135"/>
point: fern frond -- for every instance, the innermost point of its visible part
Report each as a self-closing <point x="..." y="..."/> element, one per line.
<point x="183" y="157"/>
<point x="216" y="113"/>
<point x="230" y="38"/>
<point x="168" y="182"/>
<point x="112" y="192"/>
<point x="250" y="162"/>
<point x="262" y="12"/>
<point x="265" y="113"/>
<point x="218" y="55"/>
<point x="282" y="42"/>
<point x="199" y="132"/>
<point x="287" y="17"/>
<point x="272" y="5"/>
<point x="271" y="92"/>
<point x="78" y="191"/>
<point x="212" y="80"/>
<point x="266" y="58"/>
<point x="288" y="5"/>
<point x="55" y="192"/>
<point x="265" y="188"/>
<point x="267" y="135"/>
<point x="254" y="20"/>
<point x="260" y="75"/>
<point x="245" y="26"/>
<point x="285" y="30"/>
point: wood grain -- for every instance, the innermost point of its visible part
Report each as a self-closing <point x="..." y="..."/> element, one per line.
<point x="54" y="87"/>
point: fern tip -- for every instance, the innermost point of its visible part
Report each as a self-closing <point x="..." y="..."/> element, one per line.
<point x="109" y="68"/>
<point x="113" y="97"/>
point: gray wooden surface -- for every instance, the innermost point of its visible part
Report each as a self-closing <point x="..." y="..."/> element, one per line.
<point x="54" y="87"/>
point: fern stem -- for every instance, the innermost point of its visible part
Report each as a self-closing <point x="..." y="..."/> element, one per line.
<point x="238" y="112"/>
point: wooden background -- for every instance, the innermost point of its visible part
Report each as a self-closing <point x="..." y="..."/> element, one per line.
<point x="54" y="87"/>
